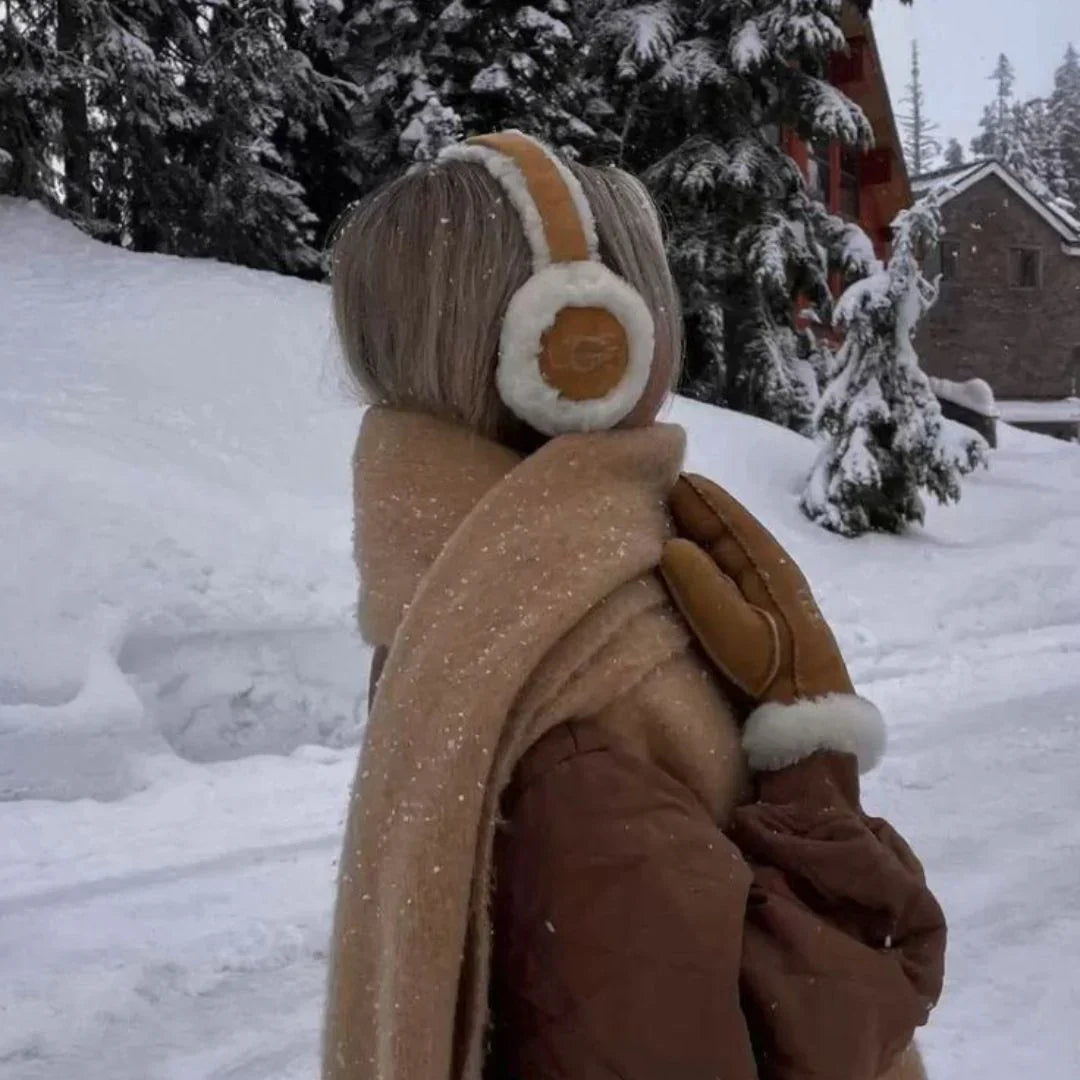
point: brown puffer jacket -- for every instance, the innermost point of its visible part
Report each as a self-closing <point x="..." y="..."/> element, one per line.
<point x="618" y="919"/>
<point x="624" y="947"/>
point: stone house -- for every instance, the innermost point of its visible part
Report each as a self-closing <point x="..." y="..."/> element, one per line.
<point x="1009" y="311"/>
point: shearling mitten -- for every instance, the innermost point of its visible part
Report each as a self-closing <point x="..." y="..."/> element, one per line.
<point x="844" y="944"/>
<point x="754" y="614"/>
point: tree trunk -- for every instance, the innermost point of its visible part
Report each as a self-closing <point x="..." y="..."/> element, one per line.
<point x="75" y="122"/>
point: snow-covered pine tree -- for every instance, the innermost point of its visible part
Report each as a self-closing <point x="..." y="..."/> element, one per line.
<point x="513" y="65"/>
<point x="137" y="55"/>
<point x="431" y="71"/>
<point x="954" y="154"/>
<point x="245" y="207"/>
<point x="698" y="96"/>
<point x="921" y="147"/>
<point x="995" y="122"/>
<point x="31" y="78"/>
<point x="1064" y="112"/>
<point x="316" y="136"/>
<point x="883" y="437"/>
<point x="86" y="92"/>
<point x="1040" y="138"/>
<point x="1022" y="136"/>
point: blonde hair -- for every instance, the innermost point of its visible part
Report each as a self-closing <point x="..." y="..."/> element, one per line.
<point x="423" y="271"/>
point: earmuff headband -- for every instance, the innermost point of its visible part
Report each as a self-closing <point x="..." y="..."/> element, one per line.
<point x="577" y="341"/>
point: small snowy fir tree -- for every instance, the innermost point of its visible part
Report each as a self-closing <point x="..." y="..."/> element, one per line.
<point x="1064" y="110"/>
<point x="921" y="148"/>
<point x="699" y="96"/>
<point x="883" y="437"/>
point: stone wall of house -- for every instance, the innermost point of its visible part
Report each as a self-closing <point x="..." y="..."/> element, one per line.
<point x="1024" y="342"/>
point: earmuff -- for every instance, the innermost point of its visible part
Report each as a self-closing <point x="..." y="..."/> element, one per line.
<point x="576" y="346"/>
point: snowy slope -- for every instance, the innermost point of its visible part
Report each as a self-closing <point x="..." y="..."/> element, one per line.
<point x="180" y="687"/>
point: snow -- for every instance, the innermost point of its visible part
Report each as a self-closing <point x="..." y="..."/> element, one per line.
<point x="747" y="48"/>
<point x="181" y="686"/>
<point x="491" y="80"/>
<point x="974" y="394"/>
<point x="530" y="18"/>
<point x="647" y="34"/>
<point x="836" y="115"/>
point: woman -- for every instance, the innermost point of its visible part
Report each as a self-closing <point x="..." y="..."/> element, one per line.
<point x="536" y="880"/>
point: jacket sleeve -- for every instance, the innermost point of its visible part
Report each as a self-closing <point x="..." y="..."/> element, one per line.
<point x="618" y="913"/>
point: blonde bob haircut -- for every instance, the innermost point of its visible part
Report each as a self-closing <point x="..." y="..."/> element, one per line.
<point x="424" y="268"/>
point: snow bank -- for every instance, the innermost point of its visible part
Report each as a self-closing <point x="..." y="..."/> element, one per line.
<point x="176" y="638"/>
<point x="174" y="471"/>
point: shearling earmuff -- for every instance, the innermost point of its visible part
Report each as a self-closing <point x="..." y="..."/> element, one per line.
<point x="576" y="346"/>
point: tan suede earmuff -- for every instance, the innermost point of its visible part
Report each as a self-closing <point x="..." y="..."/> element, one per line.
<point x="577" y="341"/>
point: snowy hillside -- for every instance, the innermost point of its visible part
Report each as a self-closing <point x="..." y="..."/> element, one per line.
<point x="181" y="691"/>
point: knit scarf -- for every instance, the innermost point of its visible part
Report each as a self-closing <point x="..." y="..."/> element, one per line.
<point x="514" y="595"/>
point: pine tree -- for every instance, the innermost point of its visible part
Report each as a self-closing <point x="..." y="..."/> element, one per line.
<point x="1025" y="138"/>
<point x="883" y="437"/>
<point x="954" y="154"/>
<point x="920" y="145"/>
<point x="698" y="95"/>
<point x="31" y="78"/>
<point x="137" y="56"/>
<point x="995" y="123"/>
<point x="246" y="208"/>
<point x="432" y="71"/>
<point x="1064" y="110"/>
<point x="1038" y="134"/>
<point x="164" y="126"/>
<point x="512" y="65"/>
<point x="74" y="27"/>
<point x="317" y="137"/>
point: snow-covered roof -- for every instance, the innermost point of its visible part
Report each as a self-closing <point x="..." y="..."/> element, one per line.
<point x="944" y="179"/>
<point x="948" y="183"/>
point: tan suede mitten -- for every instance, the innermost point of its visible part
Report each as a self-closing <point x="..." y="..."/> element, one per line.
<point x="754" y="614"/>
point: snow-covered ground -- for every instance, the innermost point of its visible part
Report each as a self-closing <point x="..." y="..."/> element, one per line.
<point x="181" y="690"/>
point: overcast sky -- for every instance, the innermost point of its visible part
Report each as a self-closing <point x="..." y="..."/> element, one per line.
<point x="960" y="41"/>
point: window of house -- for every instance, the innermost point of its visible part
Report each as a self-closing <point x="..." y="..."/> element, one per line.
<point x="849" y="184"/>
<point x="1025" y="268"/>
<point x="949" y="255"/>
<point x="820" y="179"/>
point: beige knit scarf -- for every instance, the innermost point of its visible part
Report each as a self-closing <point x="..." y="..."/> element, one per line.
<point x="515" y="595"/>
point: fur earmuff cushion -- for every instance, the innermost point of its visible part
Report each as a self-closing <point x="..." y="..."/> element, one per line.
<point x="532" y="311"/>
<point x="777" y="736"/>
